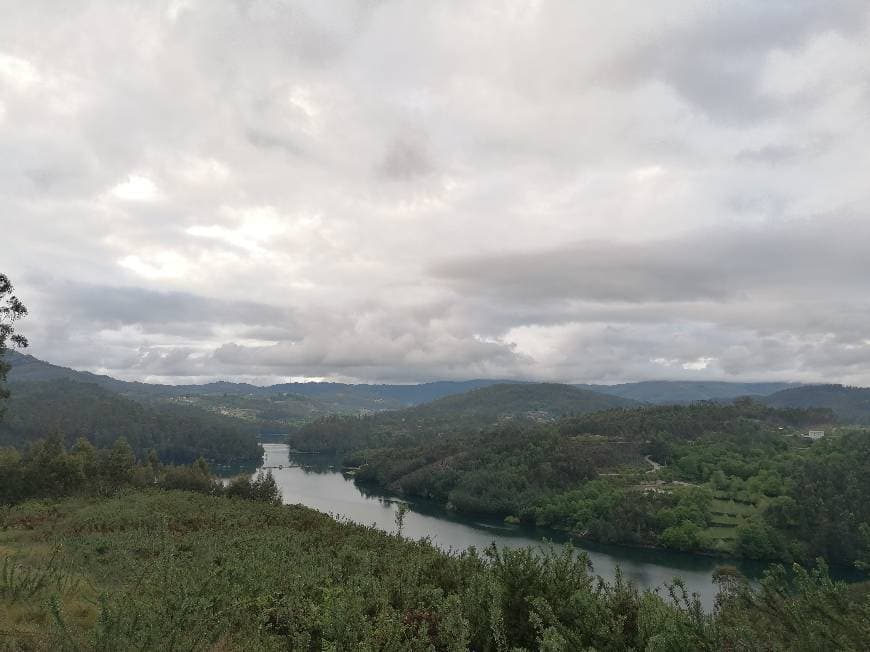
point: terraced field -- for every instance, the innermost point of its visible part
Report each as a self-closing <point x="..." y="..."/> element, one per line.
<point x="727" y="515"/>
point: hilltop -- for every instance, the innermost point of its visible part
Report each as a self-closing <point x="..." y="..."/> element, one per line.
<point x="279" y="405"/>
<point x="178" y="433"/>
<point x="850" y="404"/>
<point x="375" y="397"/>
<point x="674" y="391"/>
<point x="726" y="478"/>
<point x="480" y="408"/>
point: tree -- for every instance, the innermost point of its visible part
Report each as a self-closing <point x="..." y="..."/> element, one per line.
<point x="117" y="464"/>
<point x="11" y="310"/>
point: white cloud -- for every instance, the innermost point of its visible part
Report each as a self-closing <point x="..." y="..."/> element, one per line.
<point x="203" y="171"/>
<point x="396" y="190"/>
<point x="137" y="189"/>
<point x="699" y="364"/>
<point x="159" y="266"/>
<point x="18" y="73"/>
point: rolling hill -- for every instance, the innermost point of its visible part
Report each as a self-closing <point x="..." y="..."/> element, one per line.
<point x="537" y="402"/>
<point x="674" y="392"/>
<point x="480" y="408"/>
<point x="178" y="433"/>
<point x="850" y="404"/>
<point x="350" y="398"/>
<point x="325" y="397"/>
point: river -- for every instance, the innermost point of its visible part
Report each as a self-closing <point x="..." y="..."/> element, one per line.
<point x="331" y="492"/>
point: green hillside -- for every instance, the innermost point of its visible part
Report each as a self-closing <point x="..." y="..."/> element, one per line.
<point x="270" y="409"/>
<point x="735" y="478"/>
<point x="672" y="391"/>
<point x="178" y="433"/>
<point x="480" y="408"/>
<point x="176" y="570"/>
<point x="849" y="404"/>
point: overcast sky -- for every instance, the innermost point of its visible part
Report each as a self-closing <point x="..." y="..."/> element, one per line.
<point x="407" y="191"/>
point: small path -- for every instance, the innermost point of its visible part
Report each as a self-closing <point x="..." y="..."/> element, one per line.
<point x="655" y="465"/>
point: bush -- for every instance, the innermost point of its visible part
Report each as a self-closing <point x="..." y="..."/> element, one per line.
<point x="263" y="488"/>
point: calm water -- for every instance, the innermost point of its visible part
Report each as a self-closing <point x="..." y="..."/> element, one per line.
<point x="332" y="493"/>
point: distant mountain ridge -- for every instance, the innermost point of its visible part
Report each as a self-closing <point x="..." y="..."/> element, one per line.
<point x="26" y="368"/>
<point x="675" y="391"/>
<point x="850" y="404"/>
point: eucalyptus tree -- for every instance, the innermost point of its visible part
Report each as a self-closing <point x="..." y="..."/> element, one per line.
<point x="11" y="310"/>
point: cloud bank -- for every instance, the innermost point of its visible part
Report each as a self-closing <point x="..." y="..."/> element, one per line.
<point x="389" y="191"/>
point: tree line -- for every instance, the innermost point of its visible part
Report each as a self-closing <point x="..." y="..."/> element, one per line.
<point x="178" y="433"/>
<point x="735" y="479"/>
<point x="48" y="469"/>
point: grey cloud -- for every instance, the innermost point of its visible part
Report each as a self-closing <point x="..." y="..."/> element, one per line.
<point x="260" y="138"/>
<point x="769" y="154"/>
<point x="108" y="305"/>
<point x="716" y="264"/>
<point x="714" y="59"/>
<point x="385" y="190"/>
<point x="406" y="158"/>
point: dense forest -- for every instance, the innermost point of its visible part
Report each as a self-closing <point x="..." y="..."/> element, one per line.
<point x="481" y="408"/>
<point x="735" y="479"/>
<point x="850" y="404"/>
<point x="690" y="391"/>
<point x="178" y="433"/>
<point x="48" y="469"/>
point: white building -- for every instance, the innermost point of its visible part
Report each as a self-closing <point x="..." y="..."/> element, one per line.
<point x="815" y="434"/>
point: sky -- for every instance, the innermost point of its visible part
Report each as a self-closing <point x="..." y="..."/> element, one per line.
<point x="404" y="191"/>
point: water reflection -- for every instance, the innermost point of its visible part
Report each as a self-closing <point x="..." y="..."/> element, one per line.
<point x="316" y="481"/>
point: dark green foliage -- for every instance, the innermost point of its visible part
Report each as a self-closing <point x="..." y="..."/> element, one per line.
<point x="743" y="417"/>
<point x="782" y="498"/>
<point x="500" y="471"/>
<point x="678" y="391"/>
<point x="807" y="613"/>
<point x="166" y="570"/>
<point x="482" y="408"/>
<point x="47" y="470"/>
<point x="828" y="498"/>
<point x="178" y="433"/>
<point x="850" y="404"/>
<point x="11" y="310"/>
<point x="263" y="488"/>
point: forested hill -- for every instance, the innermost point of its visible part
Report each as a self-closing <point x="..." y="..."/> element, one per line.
<point x="690" y="422"/>
<point x="850" y="404"/>
<point x="538" y="402"/>
<point x="481" y="408"/>
<point x="672" y="391"/>
<point x="26" y="368"/>
<point x="178" y="433"/>
<point x="384" y="396"/>
<point x="733" y="479"/>
<point x="327" y="397"/>
<point x="324" y="398"/>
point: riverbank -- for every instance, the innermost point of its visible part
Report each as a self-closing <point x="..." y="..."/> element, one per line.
<point x="176" y="570"/>
<point x="313" y="484"/>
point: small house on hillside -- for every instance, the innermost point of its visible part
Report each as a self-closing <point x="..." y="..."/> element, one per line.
<point x="815" y="434"/>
